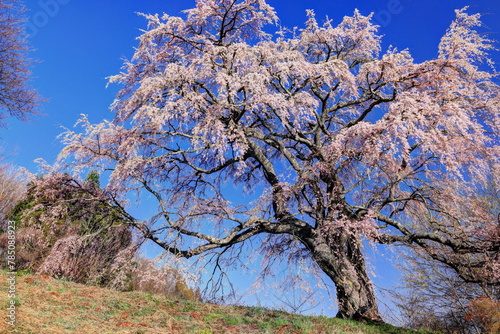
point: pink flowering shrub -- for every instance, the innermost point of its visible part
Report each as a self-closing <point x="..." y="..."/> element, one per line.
<point x="67" y="231"/>
<point x="85" y="259"/>
<point x="135" y="273"/>
<point x="27" y="254"/>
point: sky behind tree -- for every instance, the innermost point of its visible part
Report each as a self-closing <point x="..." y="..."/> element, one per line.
<point x="80" y="43"/>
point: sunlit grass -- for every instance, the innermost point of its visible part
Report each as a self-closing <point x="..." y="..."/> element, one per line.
<point x="47" y="305"/>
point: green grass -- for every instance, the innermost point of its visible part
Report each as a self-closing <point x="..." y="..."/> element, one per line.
<point x="47" y="305"/>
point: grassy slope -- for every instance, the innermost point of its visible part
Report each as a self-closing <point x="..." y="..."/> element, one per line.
<point x="51" y="306"/>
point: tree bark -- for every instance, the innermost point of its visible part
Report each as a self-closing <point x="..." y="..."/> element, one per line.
<point x="342" y="261"/>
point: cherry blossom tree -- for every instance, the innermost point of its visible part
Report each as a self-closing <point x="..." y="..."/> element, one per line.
<point x="328" y="140"/>
<point x="16" y="97"/>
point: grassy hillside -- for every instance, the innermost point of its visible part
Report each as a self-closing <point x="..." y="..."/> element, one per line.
<point x="50" y="306"/>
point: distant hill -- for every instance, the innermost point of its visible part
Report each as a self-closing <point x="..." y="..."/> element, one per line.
<point x="49" y="306"/>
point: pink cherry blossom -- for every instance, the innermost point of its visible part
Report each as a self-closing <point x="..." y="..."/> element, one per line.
<point x="328" y="139"/>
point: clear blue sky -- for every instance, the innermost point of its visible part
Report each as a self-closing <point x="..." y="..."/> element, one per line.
<point x="81" y="42"/>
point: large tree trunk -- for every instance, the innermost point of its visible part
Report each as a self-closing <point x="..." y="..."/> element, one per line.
<point x="342" y="260"/>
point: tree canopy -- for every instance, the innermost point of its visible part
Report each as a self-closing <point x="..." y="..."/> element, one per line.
<point x="334" y="140"/>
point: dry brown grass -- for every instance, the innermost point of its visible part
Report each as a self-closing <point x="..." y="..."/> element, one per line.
<point x="51" y="306"/>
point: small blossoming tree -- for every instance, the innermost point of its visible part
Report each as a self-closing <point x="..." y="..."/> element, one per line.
<point x="67" y="228"/>
<point x="17" y="98"/>
<point x="333" y="140"/>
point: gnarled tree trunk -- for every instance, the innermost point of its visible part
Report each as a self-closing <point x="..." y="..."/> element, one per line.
<point x="342" y="261"/>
